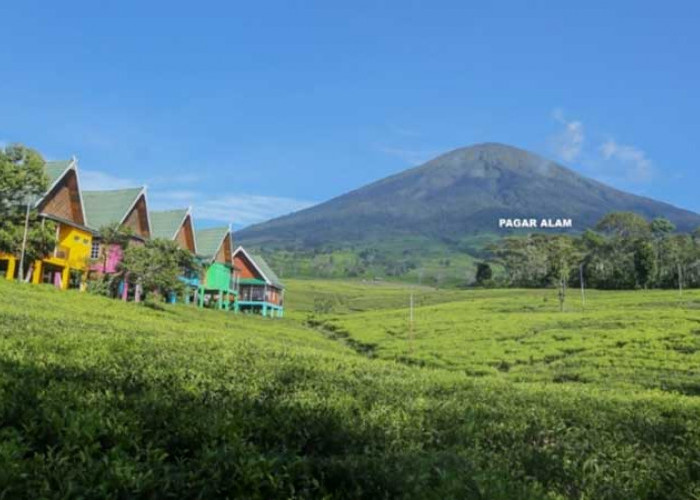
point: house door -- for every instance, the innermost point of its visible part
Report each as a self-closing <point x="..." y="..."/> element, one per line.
<point x="51" y="274"/>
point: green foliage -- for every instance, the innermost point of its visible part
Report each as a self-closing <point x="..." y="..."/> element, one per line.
<point x="627" y="254"/>
<point x="41" y="237"/>
<point x="112" y="236"/>
<point x="644" y="263"/>
<point x="624" y="225"/>
<point x="22" y="179"/>
<point x="661" y="227"/>
<point x="484" y="274"/>
<point x="22" y="182"/>
<point x="627" y="341"/>
<point x="157" y="265"/>
<point x="414" y="259"/>
<point x="103" y="399"/>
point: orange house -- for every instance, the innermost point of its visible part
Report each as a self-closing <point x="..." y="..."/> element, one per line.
<point x="259" y="288"/>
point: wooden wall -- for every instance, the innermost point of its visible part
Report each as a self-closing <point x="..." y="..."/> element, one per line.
<point x="138" y="219"/>
<point x="64" y="200"/>
<point x="185" y="235"/>
<point x="224" y="254"/>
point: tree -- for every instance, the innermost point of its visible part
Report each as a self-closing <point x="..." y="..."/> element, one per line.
<point x="22" y="179"/>
<point x="484" y="273"/>
<point x="562" y="257"/>
<point x="616" y="257"/>
<point x="41" y="238"/>
<point x="696" y="234"/>
<point x="157" y="266"/>
<point x="661" y="227"/>
<point x="524" y="260"/>
<point x="645" y="263"/>
<point x="624" y="225"/>
<point x="22" y="182"/>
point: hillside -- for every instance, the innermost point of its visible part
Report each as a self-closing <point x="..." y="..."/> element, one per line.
<point x="455" y="196"/>
<point x="100" y="398"/>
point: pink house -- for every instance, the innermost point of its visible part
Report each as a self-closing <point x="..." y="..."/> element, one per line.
<point x="126" y="209"/>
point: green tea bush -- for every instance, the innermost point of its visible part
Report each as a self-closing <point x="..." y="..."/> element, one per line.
<point x="101" y="399"/>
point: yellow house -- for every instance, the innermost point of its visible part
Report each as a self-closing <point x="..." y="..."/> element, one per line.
<point x="67" y="266"/>
<point x="8" y="265"/>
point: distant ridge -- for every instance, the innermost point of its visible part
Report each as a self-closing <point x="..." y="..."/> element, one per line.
<point x="460" y="193"/>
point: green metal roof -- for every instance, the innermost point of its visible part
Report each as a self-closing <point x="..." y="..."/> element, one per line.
<point x="209" y="240"/>
<point x="165" y="223"/>
<point x="251" y="281"/>
<point x="104" y="208"/>
<point x="54" y="169"/>
<point x="266" y="270"/>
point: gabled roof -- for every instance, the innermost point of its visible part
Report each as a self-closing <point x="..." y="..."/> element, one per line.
<point x="104" y="208"/>
<point x="261" y="266"/>
<point x="209" y="241"/>
<point x="55" y="171"/>
<point x="166" y="223"/>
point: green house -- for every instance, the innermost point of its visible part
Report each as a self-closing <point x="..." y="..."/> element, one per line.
<point x="218" y="284"/>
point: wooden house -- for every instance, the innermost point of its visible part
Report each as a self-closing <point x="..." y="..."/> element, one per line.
<point x="259" y="288"/>
<point x="218" y="283"/>
<point x="126" y="209"/>
<point x="177" y="225"/>
<point x="67" y="265"/>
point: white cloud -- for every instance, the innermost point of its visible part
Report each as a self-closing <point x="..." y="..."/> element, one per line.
<point x="248" y="208"/>
<point x="568" y="143"/>
<point x="95" y="180"/>
<point x="240" y="209"/>
<point x="637" y="166"/>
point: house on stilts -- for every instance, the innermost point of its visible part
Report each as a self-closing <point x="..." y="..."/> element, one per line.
<point x="259" y="288"/>
<point x="126" y="210"/>
<point x="218" y="285"/>
<point x="177" y="225"/>
<point x="67" y="265"/>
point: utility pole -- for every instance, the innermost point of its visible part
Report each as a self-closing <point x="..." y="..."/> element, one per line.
<point x="20" y="274"/>
<point x="410" y="322"/>
<point x="583" y="287"/>
<point x="680" y="280"/>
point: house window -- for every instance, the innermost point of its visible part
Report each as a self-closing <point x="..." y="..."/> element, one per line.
<point x="95" y="251"/>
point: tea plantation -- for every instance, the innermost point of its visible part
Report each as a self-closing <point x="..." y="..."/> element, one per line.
<point x="494" y="395"/>
<point x="626" y="340"/>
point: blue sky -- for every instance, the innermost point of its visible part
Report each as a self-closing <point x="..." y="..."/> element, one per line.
<point x="248" y="110"/>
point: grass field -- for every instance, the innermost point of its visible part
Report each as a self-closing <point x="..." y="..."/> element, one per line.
<point x="494" y="395"/>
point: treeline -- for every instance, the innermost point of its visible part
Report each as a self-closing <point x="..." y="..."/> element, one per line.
<point x="623" y="252"/>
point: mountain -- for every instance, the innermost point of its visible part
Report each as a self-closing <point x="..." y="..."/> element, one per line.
<point x="460" y="193"/>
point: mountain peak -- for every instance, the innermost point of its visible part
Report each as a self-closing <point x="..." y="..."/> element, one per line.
<point x="460" y="193"/>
